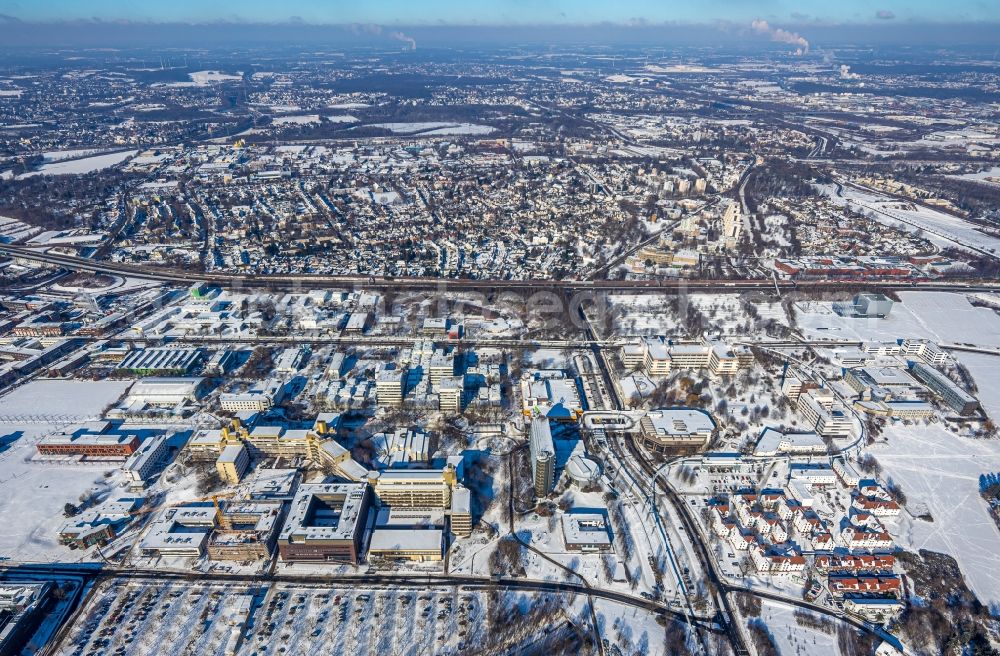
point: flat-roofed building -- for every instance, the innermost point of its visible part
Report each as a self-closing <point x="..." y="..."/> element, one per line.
<point x="92" y="439"/>
<point x="773" y="442"/>
<point x="676" y="430"/>
<point x="725" y="360"/>
<point x="22" y="608"/>
<point x="233" y="463"/>
<point x="259" y="398"/>
<point x="99" y="524"/>
<point x="441" y="365"/>
<point x="690" y="356"/>
<point x="633" y="354"/>
<point x="823" y="413"/>
<point x="461" y="511"/>
<point x="657" y="358"/>
<point x="247" y="530"/>
<point x="161" y="361"/>
<point x="586" y="532"/>
<point x="390" y="387"/>
<point x="404" y="447"/>
<point x="416" y="488"/>
<point x="419" y="545"/>
<point x="880" y="382"/>
<point x="147" y="459"/>
<point x="163" y="391"/>
<point x="273" y="484"/>
<point x="450" y="389"/>
<point x="325" y="523"/>
<point x="180" y="531"/>
<point x="954" y="396"/>
<point x="551" y="393"/>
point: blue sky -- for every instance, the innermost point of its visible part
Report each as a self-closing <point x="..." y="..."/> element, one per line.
<point x="416" y="12"/>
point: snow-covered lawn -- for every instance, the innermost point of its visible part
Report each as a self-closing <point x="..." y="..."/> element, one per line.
<point x="793" y="638"/>
<point x="941" y="316"/>
<point x="940" y="470"/>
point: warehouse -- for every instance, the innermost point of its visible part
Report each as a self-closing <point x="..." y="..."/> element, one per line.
<point x="165" y="392"/>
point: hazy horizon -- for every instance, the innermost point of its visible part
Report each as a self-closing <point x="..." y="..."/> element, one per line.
<point x="96" y="32"/>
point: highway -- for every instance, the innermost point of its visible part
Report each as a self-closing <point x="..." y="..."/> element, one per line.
<point x="305" y="282"/>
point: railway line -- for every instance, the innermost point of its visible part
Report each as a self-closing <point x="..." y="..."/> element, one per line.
<point x="305" y="282"/>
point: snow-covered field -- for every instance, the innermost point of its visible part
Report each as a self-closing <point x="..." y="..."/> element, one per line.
<point x="792" y="638"/>
<point x="940" y="470"/>
<point x="84" y="165"/>
<point x="202" y="78"/>
<point x="940" y="316"/>
<point x="300" y="119"/>
<point x="32" y="493"/>
<point x="435" y="128"/>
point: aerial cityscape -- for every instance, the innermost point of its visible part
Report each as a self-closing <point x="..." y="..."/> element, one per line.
<point x="586" y="328"/>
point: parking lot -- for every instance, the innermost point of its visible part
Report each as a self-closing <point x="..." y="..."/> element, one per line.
<point x="127" y="617"/>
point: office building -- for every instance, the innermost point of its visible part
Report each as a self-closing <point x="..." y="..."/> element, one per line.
<point x="325" y="523"/>
<point x="951" y="394"/>
<point x="543" y="456"/>
<point x="676" y="430"/>
<point x="233" y="463"/>
<point x="95" y="439"/>
<point x="146" y="460"/>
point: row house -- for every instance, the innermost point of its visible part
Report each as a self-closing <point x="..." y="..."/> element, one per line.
<point x="855" y="562"/>
<point x="842" y="585"/>
<point x="776" y="561"/>
<point x="857" y="537"/>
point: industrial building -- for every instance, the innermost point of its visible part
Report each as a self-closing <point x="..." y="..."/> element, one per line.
<point x="873" y="306"/>
<point x="162" y="391"/>
<point x="161" y="361"/>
